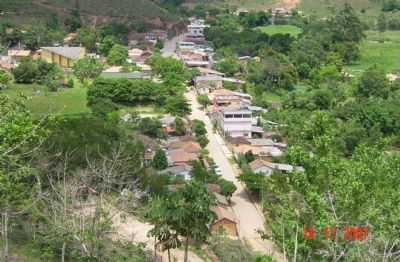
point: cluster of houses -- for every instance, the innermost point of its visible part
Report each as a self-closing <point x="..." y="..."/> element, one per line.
<point x="180" y="152"/>
<point x="194" y="51"/>
<point x="241" y="124"/>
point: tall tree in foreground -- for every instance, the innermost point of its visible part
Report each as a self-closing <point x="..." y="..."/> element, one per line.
<point x="19" y="137"/>
<point x="186" y="213"/>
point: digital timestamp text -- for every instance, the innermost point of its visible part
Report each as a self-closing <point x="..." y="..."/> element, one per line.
<point x="353" y="233"/>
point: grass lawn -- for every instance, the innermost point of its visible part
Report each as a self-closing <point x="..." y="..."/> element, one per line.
<point x="41" y="101"/>
<point x="281" y="29"/>
<point x="384" y="54"/>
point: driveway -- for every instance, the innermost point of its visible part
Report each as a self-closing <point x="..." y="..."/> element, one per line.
<point x="248" y="216"/>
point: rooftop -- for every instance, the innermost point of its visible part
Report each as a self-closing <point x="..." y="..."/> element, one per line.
<point x="66" y="51"/>
<point x="19" y="52"/>
<point x="180" y="155"/>
<point x="223" y="213"/>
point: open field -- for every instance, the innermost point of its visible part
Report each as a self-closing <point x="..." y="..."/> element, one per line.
<point x="325" y="7"/>
<point x="252" y="5"/>
<point x="41" y="101"/>
<point x="281" y="29"/>
<point x="373" y="51"/>
<point x="66" y="101"/>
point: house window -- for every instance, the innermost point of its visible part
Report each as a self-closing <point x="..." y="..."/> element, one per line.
<point x="229" y="116"/>
<point x="247" y="116"/>
<point x="238" y="116"/>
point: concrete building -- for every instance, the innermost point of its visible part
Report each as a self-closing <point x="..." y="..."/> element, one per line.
<point x="234" y="122"/>
<point x="63" y="56"/>
<point x="196" y="31"/>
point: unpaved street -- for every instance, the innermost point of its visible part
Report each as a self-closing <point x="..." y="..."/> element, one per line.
<point x="249" y="218"/>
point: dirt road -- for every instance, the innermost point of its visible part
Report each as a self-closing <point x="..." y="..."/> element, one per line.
<point x="129" y="228"/>
<point x="249" y="218"/>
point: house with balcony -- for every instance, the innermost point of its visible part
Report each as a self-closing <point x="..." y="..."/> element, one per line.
<point x="235" y="122"/>
<point x="196" y="31"/>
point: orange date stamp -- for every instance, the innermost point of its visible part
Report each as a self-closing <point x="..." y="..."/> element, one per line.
<point x="346" y="233"/>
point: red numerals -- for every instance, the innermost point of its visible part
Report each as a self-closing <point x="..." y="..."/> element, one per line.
<point x="355" y="233"/>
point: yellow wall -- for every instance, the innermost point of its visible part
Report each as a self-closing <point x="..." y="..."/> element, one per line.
<point x="61" y="61"/>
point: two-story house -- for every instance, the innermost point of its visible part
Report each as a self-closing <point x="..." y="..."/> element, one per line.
<point x="234" y="122"/>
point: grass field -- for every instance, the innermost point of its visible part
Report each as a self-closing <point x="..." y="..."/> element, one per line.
<point x="281" y="29"/>
<point x="253" y="4"/>
<point x="40" y="101"/>
<point x="384" y="54"/>
<point x="66" y="101"/>
<point x="325" y="7"/>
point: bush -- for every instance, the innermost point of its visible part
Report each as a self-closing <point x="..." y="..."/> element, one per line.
<point x="29" y="71"/>
<point x="53" y="85"/>
<point x="5" y="79"/>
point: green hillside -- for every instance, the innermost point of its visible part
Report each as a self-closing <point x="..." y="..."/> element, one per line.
<point x="325" y="7"/>
<point x="94" y="10"/>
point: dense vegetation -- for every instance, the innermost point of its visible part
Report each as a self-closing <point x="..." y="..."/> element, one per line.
<point x="343" y="130"/>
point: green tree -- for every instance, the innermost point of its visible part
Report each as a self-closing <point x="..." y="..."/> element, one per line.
<point x="177" y="106"/>
<point x="346" y="26"/>
<point x="203" y="100"/>
<point x="106" y="44"/>
<point x="117" y="55"/>
<point x="198" y="172"/>
<point x="26" y="72"/>
<point x="162" y="231"/>
<point x="29" y="71"/>
<point x="227" y="187"/>
<point x="87" y="37"/>
<point x="229" y="66"/>
<point x="87" y="68"/>
<point x="254" y="182"/>
<point x="199" y="128"/>
<point x="151" y="127"/>
<point x="179" y="126"/>
<point x="373" y="82"/>
<point x="381" y="23"/>
<point x="5" y="79"/>
<point x="202" y="140"/>
<point x="189" y="212"/>
<point x="19" y="138"/>
<point x="160" y="161"/>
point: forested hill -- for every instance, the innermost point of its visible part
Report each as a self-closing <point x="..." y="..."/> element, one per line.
<point x="91" y="11"/>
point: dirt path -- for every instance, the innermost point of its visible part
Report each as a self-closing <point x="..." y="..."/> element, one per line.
<point x="129" y="228"/>
<point x="289" y="4"/>
<point x="249" y="217"/>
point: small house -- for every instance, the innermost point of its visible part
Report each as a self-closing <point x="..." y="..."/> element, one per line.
<point x="17" y="55"/>
<point x="225" y="221"/>
<point x="178" y="157"/>
<point x="178" y="171"/>
<point x="260" y="166"/>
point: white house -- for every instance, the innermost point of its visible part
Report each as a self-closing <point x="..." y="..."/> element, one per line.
<point x="260" y="166"/>
<point x="234" y="122"/>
